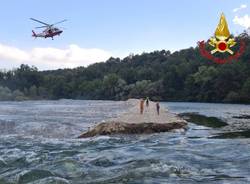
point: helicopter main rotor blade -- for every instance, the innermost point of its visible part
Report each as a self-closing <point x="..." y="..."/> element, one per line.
<point x="40" y="21"/>
<point x="41" y="27"/>
<point x="59" y="22"/>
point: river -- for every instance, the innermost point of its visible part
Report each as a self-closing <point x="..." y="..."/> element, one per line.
<point x="38" y="145"/>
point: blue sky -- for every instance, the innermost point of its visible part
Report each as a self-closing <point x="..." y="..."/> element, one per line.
<point x="112" y="27"/>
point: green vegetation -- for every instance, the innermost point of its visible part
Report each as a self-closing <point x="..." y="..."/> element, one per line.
<point x="181" y="76"/>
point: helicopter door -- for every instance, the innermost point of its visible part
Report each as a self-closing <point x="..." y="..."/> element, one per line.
<point x="50" y="31"/>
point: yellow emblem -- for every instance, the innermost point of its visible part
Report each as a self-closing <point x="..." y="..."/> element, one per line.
<point x="222" y="41"/>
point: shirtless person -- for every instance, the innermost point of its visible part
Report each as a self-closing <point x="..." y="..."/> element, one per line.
<point x="141" y="106"/>
<point x="147" y="101"/>
<point x="158" y="108"/>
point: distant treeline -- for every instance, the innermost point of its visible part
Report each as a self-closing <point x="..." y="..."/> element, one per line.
<point x="180" y="76"/>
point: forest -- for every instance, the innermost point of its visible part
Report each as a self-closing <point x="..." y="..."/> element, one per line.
<point x="160" y="75"/>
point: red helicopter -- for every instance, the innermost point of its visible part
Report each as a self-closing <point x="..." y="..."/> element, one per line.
<point x="49" y="32"/>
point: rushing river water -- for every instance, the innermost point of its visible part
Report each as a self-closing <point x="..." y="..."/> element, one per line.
<point x="38" y="145"/>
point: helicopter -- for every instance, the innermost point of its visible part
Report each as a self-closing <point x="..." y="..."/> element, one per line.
<point x="50" y="30"/>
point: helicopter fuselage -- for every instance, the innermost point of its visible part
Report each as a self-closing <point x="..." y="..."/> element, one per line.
<point x="48" y="33"/>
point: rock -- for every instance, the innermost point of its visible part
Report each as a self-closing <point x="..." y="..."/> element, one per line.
<point x="203" y="120"/>
<point x="109" y="128"/>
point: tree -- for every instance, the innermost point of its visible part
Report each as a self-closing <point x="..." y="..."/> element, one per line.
<point x="245" y="91"/>
<point x="140" y="88"/>
<point x="18" y="96"/>
<point x="5" y="94"/>
<point x="33" y="91"/>
<point x="110" y="82"/>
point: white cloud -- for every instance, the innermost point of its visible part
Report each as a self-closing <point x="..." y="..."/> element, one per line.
<point x="51" y="58"/>
<point x="12" y="53"/>
<point x="243" y="6"/>
<point x="243" y="21"/>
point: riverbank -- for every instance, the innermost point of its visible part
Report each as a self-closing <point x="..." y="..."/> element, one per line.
<point x="132" y="122"/>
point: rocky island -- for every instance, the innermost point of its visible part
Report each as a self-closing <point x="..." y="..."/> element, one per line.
<point x="133" y="122"/>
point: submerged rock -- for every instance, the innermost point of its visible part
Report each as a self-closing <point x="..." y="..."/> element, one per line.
<point x="243" y="116"/>
<point x="199" y="119"/>
<point x="233" y="135"/>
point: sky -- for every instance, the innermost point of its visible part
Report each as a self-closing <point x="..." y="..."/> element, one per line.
<point x="98" y="29"/>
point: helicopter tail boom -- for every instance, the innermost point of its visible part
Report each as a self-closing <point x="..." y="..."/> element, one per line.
<point x="34" y="34"/>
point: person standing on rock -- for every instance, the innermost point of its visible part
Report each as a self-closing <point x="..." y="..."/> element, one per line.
<point x="141" y="106"/>
<point x="158" y="108"/>
<point x="147" y="101"/>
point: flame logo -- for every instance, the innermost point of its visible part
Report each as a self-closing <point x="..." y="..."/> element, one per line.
<point x="222" y="42"/>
